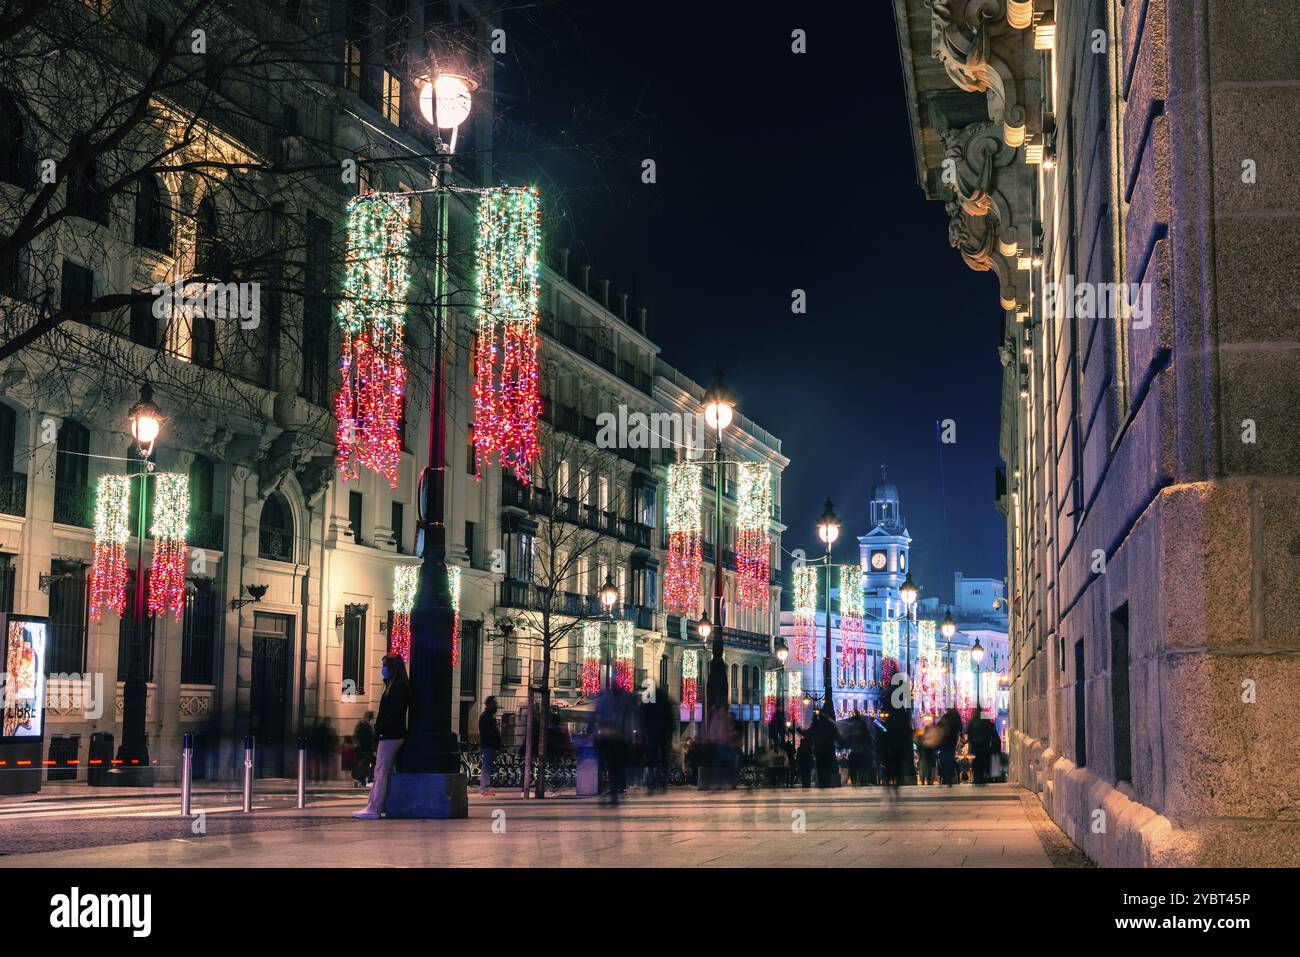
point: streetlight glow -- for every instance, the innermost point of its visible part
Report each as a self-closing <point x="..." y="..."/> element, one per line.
<point x="705" y="626"/>
<point x="608" y="594"/>
<point x="977" y="652"/>
<point x="146" y="421"/>
<point x="828" y="526"/>
<point x="908" y="590"/>
<point x="948" y="627"/>
<point x="719" y="406"/>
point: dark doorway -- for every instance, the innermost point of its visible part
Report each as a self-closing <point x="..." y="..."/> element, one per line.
<point x="1120" y="724"/>
<point x="269" y="708"/>
<point x="1080" y="709"/>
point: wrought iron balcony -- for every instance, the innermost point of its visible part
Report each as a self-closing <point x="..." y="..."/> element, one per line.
<point x="207" y="530"/>
<point x="275" y="544"/>
<point x="13" y="493"/>
<point x="72" y="504"/>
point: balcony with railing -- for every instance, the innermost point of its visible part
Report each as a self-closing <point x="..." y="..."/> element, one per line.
<point x="13" y="493"/>
<point x="72" y="504"/>
<point x="275" y="544"/>
<point x="207" y="530"/>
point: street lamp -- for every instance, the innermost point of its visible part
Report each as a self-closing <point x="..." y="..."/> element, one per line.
<point x="908" y="591"/>
<point x="608" y="595"/>
<point x="719" y="408"/>
<point x="705" y="627"/>
<point x="977" y="655"/>
<point x="134" y="768"/>
<point x="431" y="749"/>
<point x="782" y="652"/>
<point x="828" y="530"/>
<point x="948" y="628"/>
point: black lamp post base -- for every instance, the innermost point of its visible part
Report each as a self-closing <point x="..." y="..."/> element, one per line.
<point x="131" y="776"/>
<point x="427" y="796"/>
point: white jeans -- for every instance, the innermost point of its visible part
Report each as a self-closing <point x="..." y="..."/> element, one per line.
<point x="383" y="765"/>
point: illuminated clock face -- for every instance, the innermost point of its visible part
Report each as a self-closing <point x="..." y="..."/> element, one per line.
<point x="902" y="561"/>
<point x="878" y="561"/>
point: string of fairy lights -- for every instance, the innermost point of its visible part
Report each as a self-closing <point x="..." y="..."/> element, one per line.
<point x="108" y="569"/>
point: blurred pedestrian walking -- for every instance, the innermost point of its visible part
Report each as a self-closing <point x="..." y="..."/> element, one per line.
<point x="489" y="742"/>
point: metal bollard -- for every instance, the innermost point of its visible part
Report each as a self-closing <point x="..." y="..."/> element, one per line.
<point x="248" y="774"/>
<point x="187" y="771"/>
<point x="302" y="773"/>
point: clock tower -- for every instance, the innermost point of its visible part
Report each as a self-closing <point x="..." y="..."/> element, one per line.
<point x="884" y="550"/>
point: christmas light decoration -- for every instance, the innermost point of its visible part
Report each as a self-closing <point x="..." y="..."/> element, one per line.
<point x="805" y="613"/>
<point x="507" y="402"/>
<point x="590" y="658"/>
<point x="794" y="696"/>
<point x="753" y="507"/>
<point x="624" y="649"/>
<point x="853" y="642"/>
<point x="771" y="682"/>
<point x="988" y="690"/>
<point x="372" y="317"/>
<point x="690" y="679"/>
<point x="685" y="555"/>
<point x="112" y="529"/>
<point x="171" y="514"/>
<point x="406" y="580"/>
<point x="888" y="652"/>
<point x="453" y="586"/>
<point x="928" y="688"/>
<point x="965" y="685"/>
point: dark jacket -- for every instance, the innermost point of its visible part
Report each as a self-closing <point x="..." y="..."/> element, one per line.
<point x="363" y="736"/>
<point x="489" y="734"/>
<point x="393" y="706"/>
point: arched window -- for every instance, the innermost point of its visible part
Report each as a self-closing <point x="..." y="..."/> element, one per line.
<point x="275" y="535"/>
<point x="209" y="257"/>
<point x="153" y="224"/>
<point x="72" y="496"/>
<point x="16" y="163"/>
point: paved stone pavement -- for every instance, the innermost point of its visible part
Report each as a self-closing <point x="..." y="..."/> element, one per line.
<point x="995" y="826"/>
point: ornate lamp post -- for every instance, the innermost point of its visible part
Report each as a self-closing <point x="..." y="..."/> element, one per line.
<point x="948" y="628"/>
<point x="429" y="783"/>
<point x="977" y="655"/>
<point x="828" y="530"/>
<point x="719" y="409"/>
<point x="608" y="599"/>
<point x="133" y="753"/>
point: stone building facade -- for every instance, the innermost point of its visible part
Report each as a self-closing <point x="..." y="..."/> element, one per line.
<point x="1149" y="433"/>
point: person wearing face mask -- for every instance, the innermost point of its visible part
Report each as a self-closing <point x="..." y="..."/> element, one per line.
<point x="390" y="728"/>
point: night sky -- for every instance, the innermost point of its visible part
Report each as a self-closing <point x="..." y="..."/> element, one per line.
<point x="775" y="171"/>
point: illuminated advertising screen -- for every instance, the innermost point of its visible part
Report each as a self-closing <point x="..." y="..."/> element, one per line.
<point x="23" y="692"/>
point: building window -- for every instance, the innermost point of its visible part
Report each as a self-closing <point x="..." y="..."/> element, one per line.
<point x="155" y="34"/>
<point x="470" y="467"/>
<point x="316" y="312"/>
<point x="126" y="631"/>
<point x="399" y="527"/>
<point x="391" y="103"/>
<point x="78" y="285"/>
<point x="67" y="649"/>
<point x="199" y="632"/>
<point x="17" y="164"/>
<point x="275" y="533"/>
<point x="86" y="195"/>
<point x="354" y="647"/>
<point x="355" y="504"/>
<point x="470" y="634"/>
<point x="72" y="495"/>
<point x="471" y="541"/>
<point x="209" y="256"/>
<point x="153" y="224"/>
<point x="352" y="67"/>
<point x="7" y="570"/>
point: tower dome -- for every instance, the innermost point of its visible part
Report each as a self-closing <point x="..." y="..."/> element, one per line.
<point x="886" y="509"/>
